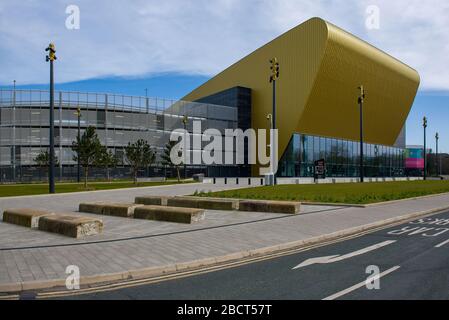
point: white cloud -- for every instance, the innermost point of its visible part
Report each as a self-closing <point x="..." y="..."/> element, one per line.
<point x="137" y="37"/>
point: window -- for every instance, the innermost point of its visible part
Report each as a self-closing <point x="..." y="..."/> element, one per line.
<point x="316" y="148"/>
<point x="309" y="150"/>
<point x="101" y="117"/>
<point x="322" y="148"/>
<point x="328" y="150"/>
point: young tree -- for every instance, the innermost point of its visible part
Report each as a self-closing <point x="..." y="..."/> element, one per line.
<point x="43" y="159"/>
<point x="139" y="155"/>
<point x="107" y="160"/>
<point x="166" y="159"/>
<point x="88" y="149"/>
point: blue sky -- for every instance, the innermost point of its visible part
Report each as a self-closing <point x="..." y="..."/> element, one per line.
<point x="435" y="106"/>
<point x="172" y="46"/>
<point x="169" y="85"/>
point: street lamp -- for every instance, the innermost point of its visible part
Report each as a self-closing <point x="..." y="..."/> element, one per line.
<point x="273" y="147"/>
<point x="437" y="137"/>
<point x="14" y="132"/>
<point x="424" y="124"/>
<point x="360" y="100"/>
<point x="271" y="180"/>
<point x="270" y="120"/>
<point x="185" y="120"/>
<point x="51" y="172"/>
<point x="78" y="114"/>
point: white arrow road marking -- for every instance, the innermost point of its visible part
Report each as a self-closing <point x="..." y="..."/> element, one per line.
<point x="359" y="285"/>
<point x="336" y="258"/>
<point x="442" y="244"/>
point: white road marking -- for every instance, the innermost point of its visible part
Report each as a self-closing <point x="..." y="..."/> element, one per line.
<point x="359" y="285"/>
<point x="336" y="258"/>
<point x="442" y="244"/>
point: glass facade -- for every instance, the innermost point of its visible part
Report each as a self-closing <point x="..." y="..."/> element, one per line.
<point x="342" y="158"/>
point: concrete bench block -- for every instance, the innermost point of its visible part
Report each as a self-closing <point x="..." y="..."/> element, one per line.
<point x="70" y="225"/>
<point x="91" y="207"/>
<point x="152" y="200"/>
<point x="109" y="209"/>
<point x="24" y="217"/>
<point x="182" y="202"/>
<point x="218" y="204"/>
<point x="120" y="209"/>
<point x="288" y="207"/>
<point x="204" y="203"/>
<point x="170" y="214"/>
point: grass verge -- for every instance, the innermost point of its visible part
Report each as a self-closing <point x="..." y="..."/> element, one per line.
<point x="351" y="193"/>
<point x="35" y="189"/>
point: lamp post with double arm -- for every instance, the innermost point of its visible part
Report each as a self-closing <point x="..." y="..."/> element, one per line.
<point x="360" y="101"/>
<point x="424" y="124"/>
<point x="185" y="120"/>
<point x="51" y="57"/>
<point x="437" y="158"/>
<point x="78" y="114"/>
<point x="273" y="147"/>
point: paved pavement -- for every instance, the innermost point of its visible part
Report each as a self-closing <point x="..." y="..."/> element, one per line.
<point x="117" y="228"/>
<point x="156" y="244"/>
<point x="31" y="255"/>
<point x="411" y="259"/>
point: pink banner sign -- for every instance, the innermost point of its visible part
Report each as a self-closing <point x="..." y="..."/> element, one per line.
<point x="411" y="163"/>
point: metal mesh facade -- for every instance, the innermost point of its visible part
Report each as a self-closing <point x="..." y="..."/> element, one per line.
<point x="119" y="119"/>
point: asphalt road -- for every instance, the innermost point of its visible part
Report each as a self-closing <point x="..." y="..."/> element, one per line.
<point x="412" y="259"/>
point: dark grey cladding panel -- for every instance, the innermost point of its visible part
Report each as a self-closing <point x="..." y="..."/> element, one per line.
<point x="237" y="97"/>
<point x="240" y="98"/>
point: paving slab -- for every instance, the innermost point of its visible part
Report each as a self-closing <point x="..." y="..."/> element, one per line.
<point x="115" y="228"/>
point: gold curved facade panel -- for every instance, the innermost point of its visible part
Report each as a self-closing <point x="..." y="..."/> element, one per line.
<point x="321" y="67"/>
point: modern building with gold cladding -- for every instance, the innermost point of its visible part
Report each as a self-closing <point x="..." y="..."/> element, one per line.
<point x="321" y="67"/>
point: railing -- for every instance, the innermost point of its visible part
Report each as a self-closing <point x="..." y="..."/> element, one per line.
<point x="88" y="100"/>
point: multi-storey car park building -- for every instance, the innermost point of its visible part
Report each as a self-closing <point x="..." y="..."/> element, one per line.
<point x="119" y="119"/>
<point x="321" y="67"/>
